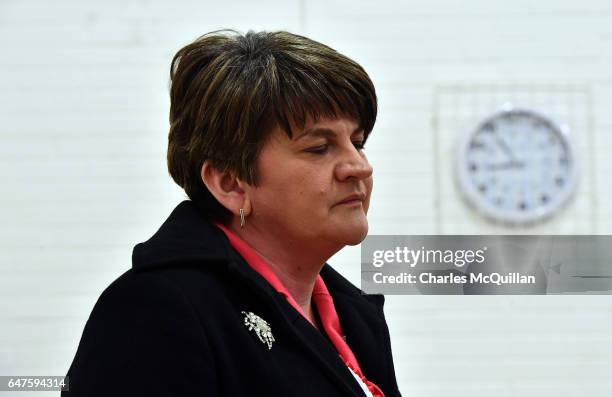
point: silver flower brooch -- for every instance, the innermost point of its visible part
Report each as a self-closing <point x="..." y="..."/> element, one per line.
<point x="261" y="327"/>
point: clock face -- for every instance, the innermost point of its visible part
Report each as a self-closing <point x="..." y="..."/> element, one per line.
<point x="517" y="166"/>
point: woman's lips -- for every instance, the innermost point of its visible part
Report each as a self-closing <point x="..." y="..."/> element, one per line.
<point x="354" y="200"/>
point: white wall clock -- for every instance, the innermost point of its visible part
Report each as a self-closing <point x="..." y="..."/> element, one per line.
<point x="517" y="166"/>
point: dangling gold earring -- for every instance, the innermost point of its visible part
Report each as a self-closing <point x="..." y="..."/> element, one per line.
<point x="241" y="217"/>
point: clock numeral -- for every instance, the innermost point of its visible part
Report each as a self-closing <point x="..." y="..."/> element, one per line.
<point x="474" y="145"/>
<point x="488" y="127"/>
<point x="559" y="181"/>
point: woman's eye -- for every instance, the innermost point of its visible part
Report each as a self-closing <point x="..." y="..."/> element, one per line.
<point x="318" y="149"/>
<point x="322" y="149"/>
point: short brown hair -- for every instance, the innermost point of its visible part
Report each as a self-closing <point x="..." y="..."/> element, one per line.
<point x="229" y="91"/>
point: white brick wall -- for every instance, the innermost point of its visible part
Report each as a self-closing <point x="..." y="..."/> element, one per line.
<point x="84" y="107"/>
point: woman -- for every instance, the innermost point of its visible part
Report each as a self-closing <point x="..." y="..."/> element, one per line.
<point x="232" y="295"/>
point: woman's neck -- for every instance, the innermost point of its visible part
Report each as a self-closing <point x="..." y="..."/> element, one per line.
<point x="295" y="265"/>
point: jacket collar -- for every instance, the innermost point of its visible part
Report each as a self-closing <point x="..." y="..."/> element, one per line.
<point x="184" y="237"/>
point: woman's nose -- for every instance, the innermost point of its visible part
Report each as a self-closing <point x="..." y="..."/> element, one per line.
<point x="354" y="165"/>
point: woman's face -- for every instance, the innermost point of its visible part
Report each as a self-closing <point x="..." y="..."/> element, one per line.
<point x="314" y="188"/>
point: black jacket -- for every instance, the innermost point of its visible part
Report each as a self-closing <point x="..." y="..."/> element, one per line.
<point x="173" y="326"/>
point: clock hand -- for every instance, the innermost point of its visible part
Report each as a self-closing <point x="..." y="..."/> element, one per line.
<point x="506" y="166"/>
<point x="504" y="146"/>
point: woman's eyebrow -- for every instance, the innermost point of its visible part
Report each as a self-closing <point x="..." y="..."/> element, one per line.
<point x="321" y="131"/>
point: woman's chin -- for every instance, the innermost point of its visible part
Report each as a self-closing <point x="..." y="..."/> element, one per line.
<point x="355" y="233"/>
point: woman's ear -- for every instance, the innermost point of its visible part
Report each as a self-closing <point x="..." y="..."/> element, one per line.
<point x="226" y="188"/>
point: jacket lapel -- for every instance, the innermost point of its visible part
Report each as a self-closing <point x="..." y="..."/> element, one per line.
<point x="363" y="322"/>
<point x="328" y="358"/>
<point x="365" y="334"/>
